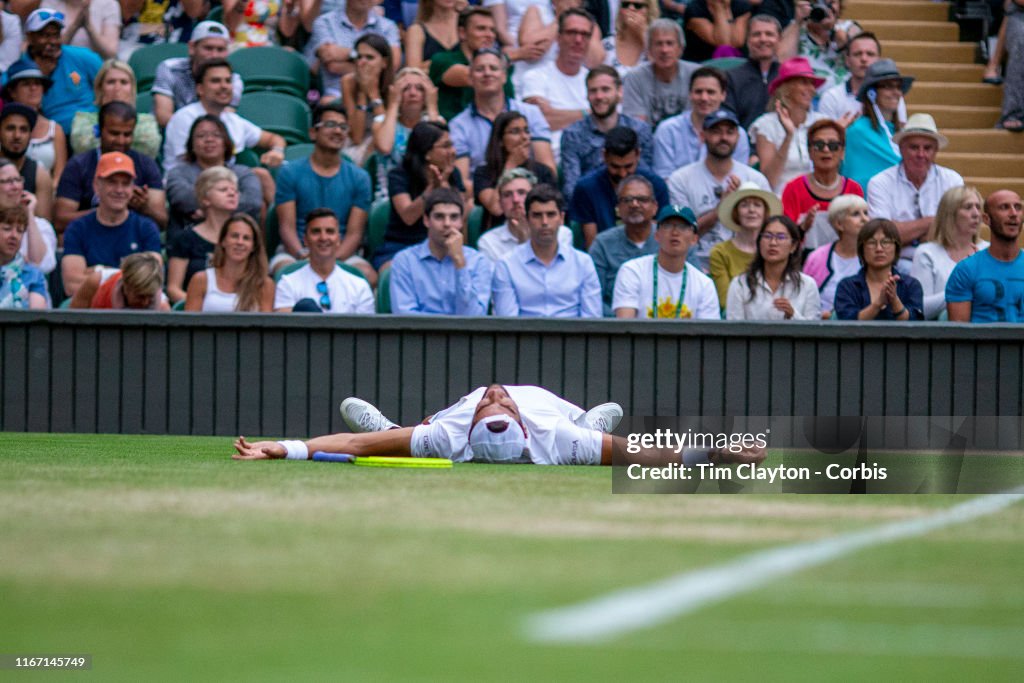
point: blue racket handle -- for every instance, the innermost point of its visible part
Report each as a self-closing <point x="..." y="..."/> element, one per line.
<point x="321" y="456"/>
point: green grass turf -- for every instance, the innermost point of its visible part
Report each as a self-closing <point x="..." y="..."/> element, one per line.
<point x="166" y="560"/>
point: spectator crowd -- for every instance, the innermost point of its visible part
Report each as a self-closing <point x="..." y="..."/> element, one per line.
<point x="631" y="159"/>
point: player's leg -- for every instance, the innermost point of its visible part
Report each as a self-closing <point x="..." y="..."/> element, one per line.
<point x="362" y="416"/>
<point x="603" y="418"/>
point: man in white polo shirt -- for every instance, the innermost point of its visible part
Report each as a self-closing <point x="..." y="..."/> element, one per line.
<point x="909" y="192"/>
<point x="322" y="285"/>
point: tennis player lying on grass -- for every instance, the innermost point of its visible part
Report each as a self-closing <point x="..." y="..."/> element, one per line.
<point x="488" y="425"/>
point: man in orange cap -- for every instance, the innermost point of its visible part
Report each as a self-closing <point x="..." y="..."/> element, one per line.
<point x="112" y="231"/>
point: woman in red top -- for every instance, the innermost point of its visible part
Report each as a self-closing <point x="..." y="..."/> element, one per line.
<point x="137" y="285"/>
<point x="805" y="199"/>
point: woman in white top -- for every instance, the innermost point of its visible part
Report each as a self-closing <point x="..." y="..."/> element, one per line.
<point x="781" y="134"/>
<point x="237" y="280"/>
<point x="953" y="237"/>
<point x="626" y="49"/>
<point x="39" y="247"/>
<point x="773" y="288"/>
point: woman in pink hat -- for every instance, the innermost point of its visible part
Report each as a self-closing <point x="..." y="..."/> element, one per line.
<point x="781" y="134"/>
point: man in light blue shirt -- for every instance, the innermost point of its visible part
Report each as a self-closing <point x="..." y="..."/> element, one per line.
<point x="678" y="141"/>
<point x="440" y="275"/>
<point x="542" y="278"/>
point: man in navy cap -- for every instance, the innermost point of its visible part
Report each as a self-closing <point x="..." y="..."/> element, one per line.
<point x="702" y="184"/>
<point x="16" y="124"/>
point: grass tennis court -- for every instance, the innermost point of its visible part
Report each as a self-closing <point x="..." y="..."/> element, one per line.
<point x="166" y="560"/>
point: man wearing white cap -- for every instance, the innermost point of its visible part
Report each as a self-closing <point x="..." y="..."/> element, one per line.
<point x="494" y="424"/>
<point x="95" y="25"/>
<point x="174" y="84"/>
<point x="72" y="69"/>
<point x="909" y="192"/>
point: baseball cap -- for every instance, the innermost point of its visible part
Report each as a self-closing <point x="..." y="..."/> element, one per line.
<point x="38" y="20"/>
<point x="677" y="211"/>
<point x="209" y="29"/>
<point x="497" y="438"/>
<point x="16" y="109"/>
<point x="719" y="115"/>
<point x="112" y="163"/>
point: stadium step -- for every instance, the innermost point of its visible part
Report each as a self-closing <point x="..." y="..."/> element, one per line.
<point x="988" y="185"/>
<point x="982" y="140"/>
<point x="920" y="37"/>
<point x="866" y="11"/>
<point x="970" y="94"/>
<point x="929" y="51"/>
<point x="951" y="116"/>
<point x="946" y="73"/>
<point x="918" y="30"/>
<point x="975" y="164"/>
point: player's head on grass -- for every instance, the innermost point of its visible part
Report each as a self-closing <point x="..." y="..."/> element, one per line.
<point x="496" y="433"/>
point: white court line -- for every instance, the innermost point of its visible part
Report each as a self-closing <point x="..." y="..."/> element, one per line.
<point x="646" y="606"/>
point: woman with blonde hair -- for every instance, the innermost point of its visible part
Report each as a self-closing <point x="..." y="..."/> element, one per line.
<point x="780" y="135"/>
<point x="115" y="82"/>
<point x="189" y="254"/>
<point x="237" y="279"/>
<point x="626" y="49"/>
<point x="137" y="284"/>
<point x="952" y="238"/>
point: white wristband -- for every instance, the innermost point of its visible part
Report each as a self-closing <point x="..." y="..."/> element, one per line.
<point x="297" y="450"/>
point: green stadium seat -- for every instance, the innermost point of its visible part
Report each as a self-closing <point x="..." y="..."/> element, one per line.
<point x="380" y="212"/>
<point x="144" y="103"/>
<point x="384" y="291"/>
<point x="298" y="152"/>
<point x="248" y="157"/>
<point x="287" y="116"/>
<point x="180" y="306"/>
<point x="724" y="63"/>
<point x="272" y="68"/>
<point x="292" y="267"/>
<point x="578" y="240"/>
<point x="475" y="225"/>
<point x="272" y="234"/>
<point x="145" y="60"/>
<point x="216" y="14"/>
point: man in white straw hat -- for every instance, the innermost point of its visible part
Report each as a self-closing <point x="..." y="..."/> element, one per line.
<point x="909" y="192"/>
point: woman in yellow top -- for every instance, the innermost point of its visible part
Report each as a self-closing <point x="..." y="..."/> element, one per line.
<point x="743" y="211"/>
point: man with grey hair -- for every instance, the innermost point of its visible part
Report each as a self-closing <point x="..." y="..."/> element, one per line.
<point x="660" y="88"/>
<point x="634" y="238"/>
<point x="513" y="186"/>
<point x="747" y="94"/>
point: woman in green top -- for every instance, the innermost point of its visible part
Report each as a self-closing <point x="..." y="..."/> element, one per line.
<point x="115" y="82"/>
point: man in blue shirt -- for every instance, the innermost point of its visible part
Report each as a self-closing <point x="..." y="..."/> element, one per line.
<point x="583" y="141"/>
<point x="989" y="286"/>
<point x="72" y="69"/>
<point x="112" y="231"/>
<point x="593" y="200"/>
<point x="542" y="278"/>
<point x="471" y="129"/>
<point x="324" y="179"/>
<point x="440" y="275"/>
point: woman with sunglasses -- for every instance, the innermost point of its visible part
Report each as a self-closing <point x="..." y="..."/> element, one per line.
<point x="805" y="199"/>
<point x="773" y="288"/>
<point x="237" y="278"/>
<point x="626" y="49"/>
<point x="878" y="291"/>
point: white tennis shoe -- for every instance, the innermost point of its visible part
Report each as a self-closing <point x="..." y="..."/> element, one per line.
<point x="361" y="416"/>
<point x="604" y="418"/>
